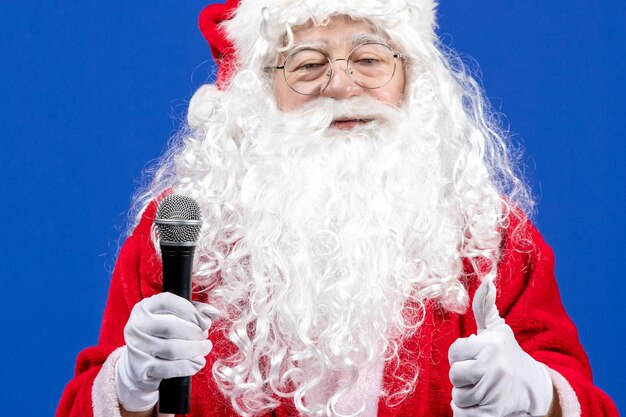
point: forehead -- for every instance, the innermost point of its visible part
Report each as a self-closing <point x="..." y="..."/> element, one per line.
<point x="337" y="32"/>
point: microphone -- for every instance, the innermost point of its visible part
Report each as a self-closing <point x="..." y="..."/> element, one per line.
<point x="178" y="224"/>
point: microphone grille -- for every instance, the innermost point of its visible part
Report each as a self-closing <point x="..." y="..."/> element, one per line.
<point x="178" y="220"/>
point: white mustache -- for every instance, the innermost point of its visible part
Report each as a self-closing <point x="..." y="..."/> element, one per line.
<point x="327" y="110"/>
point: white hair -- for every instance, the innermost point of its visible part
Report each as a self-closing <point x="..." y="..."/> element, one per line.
<point x="271" y="265"/>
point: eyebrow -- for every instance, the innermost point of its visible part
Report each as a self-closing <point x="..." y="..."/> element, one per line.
<point x="361" y="38"/>
<point x="357" y="39"/>
<point x="305" y="45"/>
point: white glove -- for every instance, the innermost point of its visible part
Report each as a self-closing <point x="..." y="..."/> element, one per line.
<point x="166" y="337"/>
<point x="491" y="374"/>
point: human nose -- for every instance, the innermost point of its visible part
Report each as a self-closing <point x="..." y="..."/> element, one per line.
<point x="341" y="86"/>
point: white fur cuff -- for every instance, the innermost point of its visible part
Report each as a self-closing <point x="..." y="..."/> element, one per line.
<point x="570" y="406"/>
<point x="103" y="393"/>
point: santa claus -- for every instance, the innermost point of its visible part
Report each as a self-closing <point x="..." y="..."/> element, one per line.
<point x="361" y="205"/>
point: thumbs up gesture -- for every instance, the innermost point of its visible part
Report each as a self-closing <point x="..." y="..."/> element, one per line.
<point x="490" y="373"/>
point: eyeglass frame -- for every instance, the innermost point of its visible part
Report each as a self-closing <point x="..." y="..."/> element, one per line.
<point x="395" y="55"/>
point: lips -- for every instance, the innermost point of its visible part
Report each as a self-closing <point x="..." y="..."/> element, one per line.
<point x="348" y="123"/>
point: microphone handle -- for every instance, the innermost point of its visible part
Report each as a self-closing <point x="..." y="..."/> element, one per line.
<point x="175" y="393"/>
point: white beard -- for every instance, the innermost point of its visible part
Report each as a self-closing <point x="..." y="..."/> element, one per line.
<point x="342" y="235"/>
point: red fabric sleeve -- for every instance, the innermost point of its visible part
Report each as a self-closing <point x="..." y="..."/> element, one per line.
<point x="529" y="301"/>
<point x="137" y="259"/>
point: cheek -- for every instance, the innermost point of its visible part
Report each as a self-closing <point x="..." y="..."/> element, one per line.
<point x="286" y="98"/>
<point x="393" y="92"/>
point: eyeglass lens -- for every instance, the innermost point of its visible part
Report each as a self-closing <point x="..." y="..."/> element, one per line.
<point x="308" y="71"/>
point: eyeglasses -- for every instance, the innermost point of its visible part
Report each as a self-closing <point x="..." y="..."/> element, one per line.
<point x="308" y="71"/>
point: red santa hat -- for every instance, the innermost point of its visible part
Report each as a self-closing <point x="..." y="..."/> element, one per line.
<point x="221" y="47"/>
<point x="240" y="31"/>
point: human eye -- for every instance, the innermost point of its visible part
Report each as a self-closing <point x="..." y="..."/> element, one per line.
<point x="306" y="61"/>
<point x="371" y="55"/>
<point x="310" y="66"/>
<point x="367" y="60"/>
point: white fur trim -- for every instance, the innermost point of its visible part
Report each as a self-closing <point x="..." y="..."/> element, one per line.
<point x="570" y="406"/>
<point x="103" y="393"/>
<point x="255" y="37"/>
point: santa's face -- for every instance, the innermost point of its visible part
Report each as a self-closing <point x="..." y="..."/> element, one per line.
<point x="338" y="39"/>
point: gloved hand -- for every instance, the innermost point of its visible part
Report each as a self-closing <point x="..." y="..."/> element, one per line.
<point x="166" y="337"/>
<point x="491" y="374"/>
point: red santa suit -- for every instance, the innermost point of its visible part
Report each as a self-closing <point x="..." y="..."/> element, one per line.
<point x="528" y="299"/>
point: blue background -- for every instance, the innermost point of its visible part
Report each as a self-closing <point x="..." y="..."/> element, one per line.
<point x="91" y="91"/>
